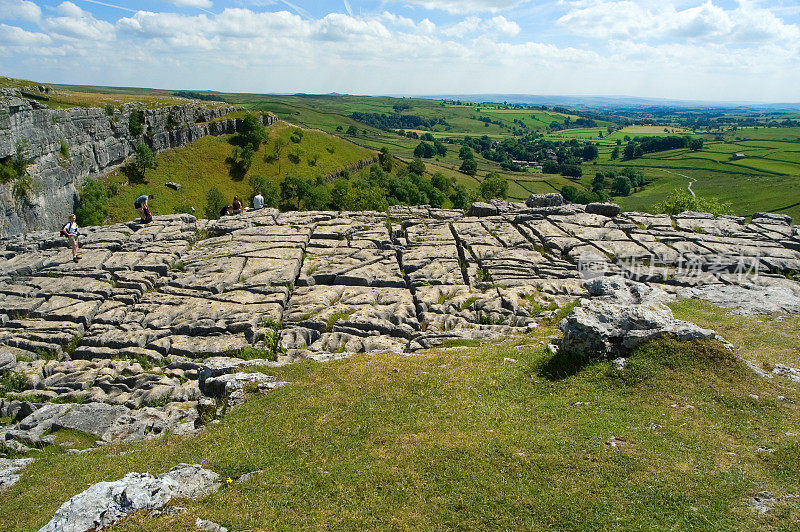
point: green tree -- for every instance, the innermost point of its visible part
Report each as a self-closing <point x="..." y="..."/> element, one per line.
<point x="92" y="201"/>
<point x="352" y="131"/>
<point x="277" y="149"/>
<point x="385" y="159"/>
<point x="550" y="167"/>
<point x="460" y="197"/>
<point x="680" y="200"/>
<point x="621" y="186"/>
<point x="293" y="191"/>
<point x="469" y="167"/>
<point x="13" y="168"/>
<point x="424" y="150"/>
<point x="136" y="123"/>
<point x="494" y="185"/>
<point x="615" y="152"/>
<point x="417" y="166"/>
<point x="440" y="182"/>
<point x="465" y="153"/>
<point x="569" y="193"/>
<point x="441" y="149"/>
<point x="215" y="201"/>
<point x="599" y="182"/>
<point x="144" y="159"/>
<point x="340" y="191"/>
<point x="696" y="144"/>
<point x="252" y="133"/>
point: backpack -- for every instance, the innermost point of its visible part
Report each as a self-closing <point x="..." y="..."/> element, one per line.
<point x="148" y="217"/>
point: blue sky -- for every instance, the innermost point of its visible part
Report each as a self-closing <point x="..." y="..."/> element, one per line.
<point x="710" y="50"/>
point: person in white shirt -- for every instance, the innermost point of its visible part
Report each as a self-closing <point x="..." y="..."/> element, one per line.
<point x="258" y="201"/>
<point x="70" y="230"/>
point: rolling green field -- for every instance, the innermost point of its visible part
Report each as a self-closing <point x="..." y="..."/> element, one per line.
<point x="201" y="165"/>
<point x="766" y="179"/>
<point x="503" y="436"/>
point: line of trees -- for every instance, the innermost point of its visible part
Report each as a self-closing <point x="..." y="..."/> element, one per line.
<point x="383" y="185"/>
<point x="640" y="145"/>
<point x="397" y="121"/>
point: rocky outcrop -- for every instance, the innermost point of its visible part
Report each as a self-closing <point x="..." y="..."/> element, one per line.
<point x="66" y="146"/>
<point x="105" y="503"/>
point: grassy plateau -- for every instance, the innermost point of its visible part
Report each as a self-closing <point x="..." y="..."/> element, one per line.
<point x="500" y="436"/>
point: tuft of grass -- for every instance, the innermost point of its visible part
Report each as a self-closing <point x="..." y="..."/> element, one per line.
<point x="11" y="382"/>
<point x="335" y="317"/>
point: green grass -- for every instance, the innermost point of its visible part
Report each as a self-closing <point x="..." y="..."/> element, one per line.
<point x="466" y="439"/>
<point x="201" y="165"/>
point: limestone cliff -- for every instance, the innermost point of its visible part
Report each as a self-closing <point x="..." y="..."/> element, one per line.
<point x="93" y="140"/>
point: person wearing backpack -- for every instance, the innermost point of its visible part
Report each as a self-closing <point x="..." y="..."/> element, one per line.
<point x="70" y="230"/>
<point x="142" y="205"/>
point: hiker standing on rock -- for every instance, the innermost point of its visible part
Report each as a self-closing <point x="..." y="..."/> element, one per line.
<point x="70" y="230"/>
<point x="143" y="206"/>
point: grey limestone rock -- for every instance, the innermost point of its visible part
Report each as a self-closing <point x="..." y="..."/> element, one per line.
<point x="607" y="329"/>
<point x="480" y="209"/>
<point x="209" y="526"/>
<point x="604" y="209"/>
<point x="544" y="200"/>
<point x="7" y="361"/>
<point x="105" y="503"/>
<point x="10" y="471"/>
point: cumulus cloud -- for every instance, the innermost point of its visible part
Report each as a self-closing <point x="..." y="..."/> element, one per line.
<point x="503" y="26"/>
<point x="14" y="36"/>
<point x="465" y="27"/>
<point x="707" y="22"/>
<point x="19" y="10"/>
<point x="646" y="43"/>
<point x="78" y="24"/>
<point x="465" y="6"/>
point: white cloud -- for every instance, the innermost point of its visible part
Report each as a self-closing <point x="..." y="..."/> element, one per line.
<point x="706" y="22"/>
<point x="338" y="27"/>
<point x="649" y="48"/>
<point x="465" y="6"/>
<point x="78" y="24"/>
<point x="465" y="27"/>
<point x="200" y="4"/>
<point x="19" y="10"/>
<point x="503" y="26"/>
<point x="14" y="36"/>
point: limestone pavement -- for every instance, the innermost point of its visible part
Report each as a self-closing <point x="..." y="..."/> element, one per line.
<point x="155" y="323"/>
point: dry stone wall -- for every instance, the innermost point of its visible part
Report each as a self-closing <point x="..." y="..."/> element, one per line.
<point x="155" y="322"/>
<point x="95" y="142"/>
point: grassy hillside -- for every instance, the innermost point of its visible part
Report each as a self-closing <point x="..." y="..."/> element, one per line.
<point x="201" y="165"/>
<point x="768" y="178"/>
<point x="503" y="436"/>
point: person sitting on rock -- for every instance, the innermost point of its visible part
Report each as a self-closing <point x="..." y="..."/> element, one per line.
<point x="142" y="205"/>
<point x="236" y="207"/>
<point x="70" y="230"/>
<point x="224" y="211"/>
<point x="258" y="201"/>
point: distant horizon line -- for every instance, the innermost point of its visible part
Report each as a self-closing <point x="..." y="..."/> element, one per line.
<point x="447" y="95"/>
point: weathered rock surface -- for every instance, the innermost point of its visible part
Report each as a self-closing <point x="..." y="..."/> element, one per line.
<point x="10" y="471"/>
<point x="155" y="326"/>
<point x="621" y="315"/>
<point x="105" y="503"/>
<point x="544" y="200"/>
<point x="609" y="330"/>
<point x="604" y="209"/>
